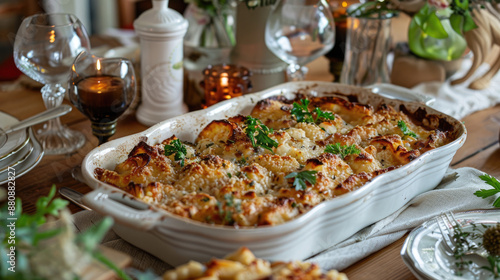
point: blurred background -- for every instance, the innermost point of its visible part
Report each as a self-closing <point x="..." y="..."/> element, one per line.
<point x="98" y="16"/>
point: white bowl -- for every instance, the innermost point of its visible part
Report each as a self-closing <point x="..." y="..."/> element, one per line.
<point x="177" y="240"/>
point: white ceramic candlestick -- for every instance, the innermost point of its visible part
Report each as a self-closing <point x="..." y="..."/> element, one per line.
<point x="161" y="31"/>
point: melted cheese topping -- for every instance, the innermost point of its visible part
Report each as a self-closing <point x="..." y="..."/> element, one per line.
<point x="226" y="180"/>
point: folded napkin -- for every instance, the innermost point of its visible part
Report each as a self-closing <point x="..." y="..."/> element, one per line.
<point x="458" y="100"/>
<point x="454" y="193"/>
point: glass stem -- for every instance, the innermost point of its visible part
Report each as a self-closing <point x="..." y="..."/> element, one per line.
<point x="53" y="95"/>
<point x="295" y="72"/>
<point x="103" y="130"/>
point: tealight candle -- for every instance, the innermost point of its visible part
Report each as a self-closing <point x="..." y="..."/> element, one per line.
<point x="222" y="82"/>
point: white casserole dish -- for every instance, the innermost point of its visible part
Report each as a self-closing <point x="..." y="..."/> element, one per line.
<point x="177" y="240"/>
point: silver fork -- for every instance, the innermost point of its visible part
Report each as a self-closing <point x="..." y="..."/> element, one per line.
<point x="447" y="224"/>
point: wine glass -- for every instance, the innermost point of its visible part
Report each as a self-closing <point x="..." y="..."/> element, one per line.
<point x="299" y="31"/>
<point x="102" y="89"/>
<point x="44" y="48"/>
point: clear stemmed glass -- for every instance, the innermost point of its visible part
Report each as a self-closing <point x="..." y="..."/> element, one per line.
<point x="102" y="89"/>
<point x="44" y="48"/>
<point x="299" y="31"/>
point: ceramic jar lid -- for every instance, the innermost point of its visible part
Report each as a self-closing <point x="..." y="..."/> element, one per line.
<point x="160" y="19"/>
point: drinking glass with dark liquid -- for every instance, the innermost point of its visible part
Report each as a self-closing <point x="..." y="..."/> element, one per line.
<point x="102" y="89"/>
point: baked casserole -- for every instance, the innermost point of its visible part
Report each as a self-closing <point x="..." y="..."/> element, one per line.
<point x="243" y="264"/>
<point x="277" y="163"/>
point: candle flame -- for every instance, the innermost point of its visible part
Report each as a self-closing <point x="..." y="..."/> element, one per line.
<point x="98" y="65"/>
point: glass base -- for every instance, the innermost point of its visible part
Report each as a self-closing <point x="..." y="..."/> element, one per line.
<point x="60" y="141"/>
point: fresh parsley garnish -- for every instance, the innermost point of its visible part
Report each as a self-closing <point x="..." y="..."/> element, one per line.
<point x="342" y="151"/>
<point x="492" y="181"/>
<point x="177" y="148"/>
<point x="302" y="114"/>
<point x="262" y="138"/>
<point x="405" y="130"/>
<point x="301" y="178"/>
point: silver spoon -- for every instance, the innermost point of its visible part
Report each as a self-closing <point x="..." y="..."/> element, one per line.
<point x="36" y="119"/>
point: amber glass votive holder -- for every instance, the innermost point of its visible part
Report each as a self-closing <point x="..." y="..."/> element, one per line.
<point x="225" y="81"/>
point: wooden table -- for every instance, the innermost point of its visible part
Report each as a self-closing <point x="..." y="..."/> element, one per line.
<point x="481" y="151"/>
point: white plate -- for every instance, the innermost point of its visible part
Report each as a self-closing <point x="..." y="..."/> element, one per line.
<point x="425" y="256"/>
<point x="27" y="164"/>
<point x="16" y="140"/>
<point x="16" y="158"/>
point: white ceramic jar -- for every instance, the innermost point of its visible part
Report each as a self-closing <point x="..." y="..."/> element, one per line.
<point x="161" y="31"/>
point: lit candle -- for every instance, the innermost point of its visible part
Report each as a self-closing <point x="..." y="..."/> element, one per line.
<point x="102" y="97"/>
<point x="223" y="82"/>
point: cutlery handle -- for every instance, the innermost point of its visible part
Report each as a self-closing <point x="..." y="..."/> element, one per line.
<point x="123" y="209"/>
<point x="39" y="118"/>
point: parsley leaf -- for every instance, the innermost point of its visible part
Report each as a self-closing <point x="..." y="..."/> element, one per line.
<point x="320" y="115"/>
<point x="405" y="130"/>
<point x="342" y="151"/>
<point x="492" y="181"/>
<point x="177" y="148"/>
<point x="262" y="137"/>
<point x="301" y="178"/>
<point x="302" y="114"/>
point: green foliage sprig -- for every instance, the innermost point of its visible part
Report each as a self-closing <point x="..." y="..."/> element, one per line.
<point x="406" y="131"/>
<point x="342" y="151"/>
<point x="259" y="134"/>
<point x="301" y="178"/>
<point x="484" y="193"/>
<point x="29" y="235"/>
<point x="176" y="147"/>
<point x="302" y="114"/>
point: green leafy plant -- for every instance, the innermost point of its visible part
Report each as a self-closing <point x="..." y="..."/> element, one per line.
<point x="301" y="178"/>
<point x="176" y="147"/>
<point x="484" y="193"/>
<point x="35" y="239"/>
<point x="342" y="151"/>
<point x="259" y="134"/>
<point x="406" y="131"/>
<point x="302" y="114"/>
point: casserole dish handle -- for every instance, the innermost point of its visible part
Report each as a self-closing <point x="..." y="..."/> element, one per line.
<point x="123" y="209"/>
<point x="401" y="93"/>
